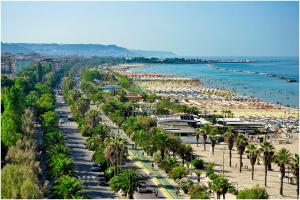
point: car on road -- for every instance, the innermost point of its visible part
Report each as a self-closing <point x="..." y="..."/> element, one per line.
<point x="61" y="121"/>
<point x="96" y="168"/>
<point x="102" y="181"/>
<point x="143" y="189"/>
<point x="70" y="118"/>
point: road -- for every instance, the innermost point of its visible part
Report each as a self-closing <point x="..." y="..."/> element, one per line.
<point x="82" y="157"/>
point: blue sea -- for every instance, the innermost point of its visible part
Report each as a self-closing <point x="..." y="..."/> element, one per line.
<point x="250" y="79"/>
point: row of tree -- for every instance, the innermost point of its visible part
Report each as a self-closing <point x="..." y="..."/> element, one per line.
<point x="266" y="152"/>
<point x="24" y="99"/>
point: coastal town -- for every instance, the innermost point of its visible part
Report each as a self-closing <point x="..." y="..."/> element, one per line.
<point x="149" y="100"/>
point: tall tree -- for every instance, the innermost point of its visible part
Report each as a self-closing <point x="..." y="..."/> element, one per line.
<point x="39" y="73"/>
<point x="93" y="118"/>
<point x="295" y="170"/>
<point x="230" y="137"/>
<point x="204" y="130"/>
<point x="252" y="153"/>
<point x="241" y="143"/>
<point x="212" y="137"/>
<point x="267" y="150"/>
<point x="82" y="106"/>
<point x="28" y="123"/>
<point x="115" y="151"/>
<point x="127" y="181"/>
<point x="282" y="159"/>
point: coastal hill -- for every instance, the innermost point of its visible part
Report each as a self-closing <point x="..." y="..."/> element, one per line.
<point x="87" y="50"/>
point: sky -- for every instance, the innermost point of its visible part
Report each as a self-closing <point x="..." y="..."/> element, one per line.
<point x="185" y="28"/>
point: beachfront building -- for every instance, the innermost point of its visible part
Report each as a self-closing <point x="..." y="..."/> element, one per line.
<point x="180" y="125"/>
<point x="241" y="126"/>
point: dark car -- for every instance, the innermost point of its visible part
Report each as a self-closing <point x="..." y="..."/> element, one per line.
<point x="96" y="168"/>
<point x="102" y="181"/>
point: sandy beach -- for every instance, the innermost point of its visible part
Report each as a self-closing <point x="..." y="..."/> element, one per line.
<point x="243" y="180"/>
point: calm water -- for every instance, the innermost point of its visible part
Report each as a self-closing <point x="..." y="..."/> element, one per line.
<point x="244" y="78"/>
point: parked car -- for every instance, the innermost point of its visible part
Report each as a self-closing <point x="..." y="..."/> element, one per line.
<point x="96" y="168"/>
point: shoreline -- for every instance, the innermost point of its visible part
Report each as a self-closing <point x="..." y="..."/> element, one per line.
<point x="141" y="76"/>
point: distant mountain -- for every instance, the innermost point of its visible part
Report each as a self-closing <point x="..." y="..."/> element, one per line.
<point x="80" y="49"/>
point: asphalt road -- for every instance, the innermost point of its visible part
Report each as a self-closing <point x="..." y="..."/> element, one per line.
<point x="82" y="157"/>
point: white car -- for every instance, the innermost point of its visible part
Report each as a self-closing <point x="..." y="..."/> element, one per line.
<point x="61" y="121"/>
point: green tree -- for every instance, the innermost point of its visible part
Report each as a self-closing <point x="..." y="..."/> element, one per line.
<point x="168" y="163"/>
<point x="93" y="118"/>
<point x="198" y="191"/>
<point x="253" y="193"/>
<point x="66" y="187"/>
<point x="39" y="73"/>
<point x="99" y="155"/>
<point x="82" y="106"/>
<point x="252" y="153"/>
<point x="267" y="150"/>
<point x="185" y="184"/>
<point x="282" y="159"/>
<point x="18" y="181"/>
<point x="49" y="119"/>
<point x="28" y="123"/>
<point x="229" y="137"/>
<point x="60" y="164"/>
<point x="115" y="151"/>
<point x="127" y="181"/>
<point x="45" y="103"/>
<point x="295" y="170"/>
<point x="198" y="163"/>
<point x="204" y="130"/>
<point x="93" y="142"/>
<point x="198" y="173"/>
<point x="221" y="186"/>
<point x="178" y="172"/>
<point x="212" y="137"/>
<point x="241" y="143"/>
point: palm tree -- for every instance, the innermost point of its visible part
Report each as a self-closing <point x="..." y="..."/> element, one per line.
<point x="185" y="152"/>
<point x="241" y="143"/>
<point x="204" y="131"/>
<point x="198" y="172"/>
<point x="212" y="138"/>
<point x="82" y="106"/>
<point x="282" y="158"/>
<point x="295" y="170"/>
<point x="229" y="137"/>
<point x="66" y="187"/>
<point x="93" y="118"/>
<point x="197" y="135"/>
<point x="128" y="181"/>
<point x="267" y="150"/>
<point x="173" y="144"/>
<point x="220" y="185"/>
<point x="115" y="151"/>
<point x="252" y="153"/>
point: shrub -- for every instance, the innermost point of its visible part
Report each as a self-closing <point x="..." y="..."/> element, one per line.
<point x="253" y="193"/>
<point x="178" y="172"/>
<point x="198" y="192"/>
<point x="185" y="184"/>
<point x="109" y="172"/>
<point x="198" y="163"/>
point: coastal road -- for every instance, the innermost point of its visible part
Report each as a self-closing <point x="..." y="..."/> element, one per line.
<point x="82" y="157"/>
